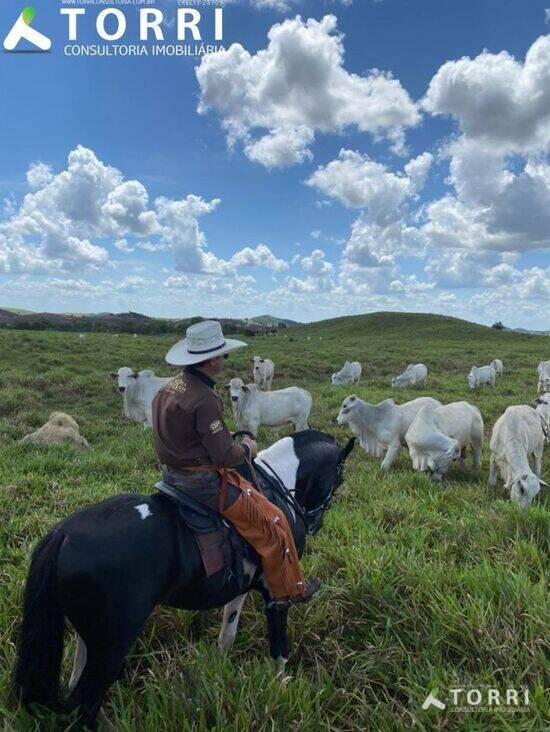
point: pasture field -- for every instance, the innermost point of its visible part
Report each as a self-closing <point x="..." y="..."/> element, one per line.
<point x="424" y="585"/>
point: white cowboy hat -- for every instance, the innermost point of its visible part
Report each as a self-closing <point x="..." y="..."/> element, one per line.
<point x="203" y="341"/>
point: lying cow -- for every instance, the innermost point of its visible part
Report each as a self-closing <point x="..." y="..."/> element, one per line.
<point x="497" y="366"/>
<point x="438" y="436"/>
<point x="517" y="435"/>
<point x="543" y="371"/>
<point x="414" y="374"/>
<point x="542" y="407"/>
<point x="350" y="373"/>
<point x="263" y="372"/>
<point x="383" y="424"/>
<point x="138" y="392"/>
<point x="480" y="375"/>
<point x="253" y="408"/>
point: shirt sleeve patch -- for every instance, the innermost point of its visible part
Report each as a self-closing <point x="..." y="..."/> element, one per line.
<point x="216" y="426"/>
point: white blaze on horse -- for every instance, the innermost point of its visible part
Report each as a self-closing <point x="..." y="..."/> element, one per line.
<point x="262" y="372"/>
<point x="253" y="408"/>
<point x="350" y="373"/>
<point x="106" y="567"/>
<point x="138" y="391"/>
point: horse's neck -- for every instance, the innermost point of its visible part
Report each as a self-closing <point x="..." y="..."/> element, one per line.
<point x="282" y="459"/>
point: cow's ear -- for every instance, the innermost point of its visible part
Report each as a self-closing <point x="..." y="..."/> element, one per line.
<point x="543" y="483"/>
<point x="262" y="360"/>
<point x="113" y="375"/>
<point x="245" y="388"/>
<point x="537" y="402"/>
<point x="352" y="398"/>
<point x="226" y="387"/>
<point x="134" y="375"/>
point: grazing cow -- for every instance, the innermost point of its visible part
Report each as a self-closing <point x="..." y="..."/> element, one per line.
<point x="350" y="373"/>
<point x="480" y="375"/>
<point x="138" y="392"/>
<point x="60" y="429"/>
<point x="498" y="367"/>
<point x="414" y="374"/>
<point x="542" y="406"/>
<point x="438" y="436"/>
<point x="543" y="370"/>
<point x="383" y="424"/>
<point x="252" y="407"/>
<point x="263" y="372"/>
<point x="517" y="435"/>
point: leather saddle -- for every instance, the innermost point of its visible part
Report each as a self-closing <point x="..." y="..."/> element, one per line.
<point x="220" y="545"/>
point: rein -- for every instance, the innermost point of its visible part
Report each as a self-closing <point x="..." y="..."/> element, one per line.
<point x="306" y="516"/>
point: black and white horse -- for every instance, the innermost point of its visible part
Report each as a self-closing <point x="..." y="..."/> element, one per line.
<point x="107" y="566"/>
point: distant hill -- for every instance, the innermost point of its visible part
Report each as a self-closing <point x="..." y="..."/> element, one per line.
<point x="272" y="321"/>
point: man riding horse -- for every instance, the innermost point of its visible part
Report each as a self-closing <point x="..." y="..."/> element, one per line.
<point x="198" y="454"/>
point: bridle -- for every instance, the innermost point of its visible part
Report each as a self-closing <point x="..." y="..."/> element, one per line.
<point x="309" y="517"/>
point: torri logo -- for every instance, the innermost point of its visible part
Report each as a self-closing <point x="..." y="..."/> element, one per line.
<point x="22" y="30"/>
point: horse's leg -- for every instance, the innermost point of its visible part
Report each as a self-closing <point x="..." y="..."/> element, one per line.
<point x="231" y="614"/>
<point x="107" y="645"/>
<point x="277" y="636"/>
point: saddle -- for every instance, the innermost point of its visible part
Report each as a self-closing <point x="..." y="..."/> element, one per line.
<point x="221" y="547"/>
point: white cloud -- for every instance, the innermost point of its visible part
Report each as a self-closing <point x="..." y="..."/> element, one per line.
<point x="39" y="175"/>
<point x="298" y="86"/>
<point x="123" y="246"/>
<point x="262" y="256"/>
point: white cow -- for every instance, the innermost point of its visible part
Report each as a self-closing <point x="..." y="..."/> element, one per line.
<point x="414" y="374"/>
<point x="252" y="407"/>
<point x="438" y="436"/>
<point x="138" y="392"/>
<point x="542" y="406"/>
<point x="263" y="372"/>
<point x="498" y="367"/>
<point x="480" y="375"/>
<point x="543" y="370"/>
<point x="383" y="424"/>
<point x="350" y="373"/>
<point x="517" y="435"/>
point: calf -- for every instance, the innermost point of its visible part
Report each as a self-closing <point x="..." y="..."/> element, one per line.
<point x="498" y="367"/>
<point x="253" y="408"/>
<point x="414" y="374"/>
<point x="438" y="436"/>
<point x="480" y="375"/>
<point x="350" y="373"/>
<point x="263" y="372"/>
<point x="517" y="435"/>
<point x="383" y="425"/>
<point x="543" y="371"/>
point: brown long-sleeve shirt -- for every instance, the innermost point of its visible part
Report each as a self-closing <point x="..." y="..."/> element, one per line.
<point x="189" y="426"/>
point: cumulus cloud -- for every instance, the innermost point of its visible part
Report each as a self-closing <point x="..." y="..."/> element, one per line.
<point x="275" y="101"/>
<point x="123" y="246"/>
<point x="261" y="256"/>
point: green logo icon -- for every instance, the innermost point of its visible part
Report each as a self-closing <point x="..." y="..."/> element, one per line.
<point x="22" y="30"/>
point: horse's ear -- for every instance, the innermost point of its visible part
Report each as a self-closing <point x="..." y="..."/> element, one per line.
<point x="348" y="448"/>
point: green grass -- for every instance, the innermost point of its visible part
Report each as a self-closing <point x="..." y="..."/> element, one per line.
<point x="424" y="585"/>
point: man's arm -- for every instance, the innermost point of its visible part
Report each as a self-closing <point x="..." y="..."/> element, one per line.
<point x="216" y="438"/>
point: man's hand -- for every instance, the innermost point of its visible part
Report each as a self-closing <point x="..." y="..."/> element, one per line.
<point x="252" y="445"/>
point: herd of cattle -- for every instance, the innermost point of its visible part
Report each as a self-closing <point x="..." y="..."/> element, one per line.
<point x="434" y="434"/>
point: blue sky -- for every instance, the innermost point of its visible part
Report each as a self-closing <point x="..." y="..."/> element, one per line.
<point x="284" y="174"/>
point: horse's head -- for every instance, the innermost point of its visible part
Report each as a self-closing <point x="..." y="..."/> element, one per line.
<point x="320" y="473"/>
